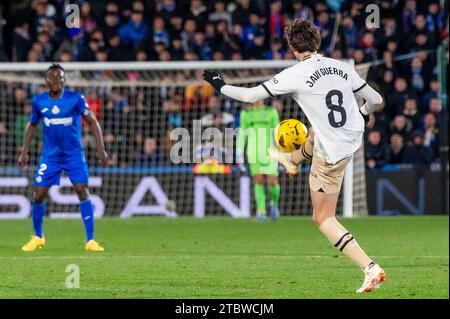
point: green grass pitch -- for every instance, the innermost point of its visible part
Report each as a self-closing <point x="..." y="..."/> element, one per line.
<point x="221" y="257"/>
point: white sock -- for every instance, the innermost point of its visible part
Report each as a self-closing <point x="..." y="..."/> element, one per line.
<point x="344" y="241"/>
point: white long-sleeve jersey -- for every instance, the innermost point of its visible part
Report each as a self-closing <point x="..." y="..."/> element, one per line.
<point x="323" y="88"/>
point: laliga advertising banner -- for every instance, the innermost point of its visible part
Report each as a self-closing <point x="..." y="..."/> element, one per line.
<point x="128" y="195"/>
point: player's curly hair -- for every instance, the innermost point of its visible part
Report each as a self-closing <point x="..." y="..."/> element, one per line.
<point x="303" y="36"/>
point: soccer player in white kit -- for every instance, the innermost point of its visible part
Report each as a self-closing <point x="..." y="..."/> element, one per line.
<point x="323" y="88"/>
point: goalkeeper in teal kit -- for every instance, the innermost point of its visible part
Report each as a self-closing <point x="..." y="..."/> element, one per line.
<point x="60" y="110"/>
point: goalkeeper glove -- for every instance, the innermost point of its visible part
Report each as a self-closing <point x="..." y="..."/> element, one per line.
<point x="240" y="161"/>
<point x="214" y="78"/>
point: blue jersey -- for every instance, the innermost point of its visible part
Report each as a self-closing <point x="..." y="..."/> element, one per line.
<point x="61" y="119"/>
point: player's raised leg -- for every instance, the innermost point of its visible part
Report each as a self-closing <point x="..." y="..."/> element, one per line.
<point x="291" y="161"/>
<point x="87" y="214"/>
<point x="274" y="191"/>
<point x="37" y="214"/>
<point x="325" y="187"/>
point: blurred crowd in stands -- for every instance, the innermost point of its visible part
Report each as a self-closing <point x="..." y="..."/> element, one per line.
<point x="402" y="47"/>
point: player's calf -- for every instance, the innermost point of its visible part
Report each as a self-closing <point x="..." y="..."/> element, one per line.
<point x="344" y="241"/>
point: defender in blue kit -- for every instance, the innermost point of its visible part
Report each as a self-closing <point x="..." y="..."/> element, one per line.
<point x="61" y="110"/>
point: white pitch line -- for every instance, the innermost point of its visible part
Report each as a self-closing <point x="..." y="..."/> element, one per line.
<point x="203" y="256"/>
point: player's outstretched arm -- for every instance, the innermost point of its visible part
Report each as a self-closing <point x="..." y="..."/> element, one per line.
<point x="102" y="156"/>
<point x="30" y="132"/>
<point x="372" y="99"/>
<point x="247" y="95"/>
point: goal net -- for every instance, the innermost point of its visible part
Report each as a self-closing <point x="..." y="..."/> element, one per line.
<point x="151" y="113"/>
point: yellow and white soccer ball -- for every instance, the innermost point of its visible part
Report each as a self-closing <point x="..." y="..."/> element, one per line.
<point x="290" y="135"/>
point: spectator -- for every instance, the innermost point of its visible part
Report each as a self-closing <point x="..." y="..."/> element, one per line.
<point x="36" y="54"/>
<point x="150" y="154"/>
<point x="101" y="55"/>
<point x="75" y="43"/>
<point x="20" y="123"/>
<point x="134" y="31"/>
<point x="197" y="92"/>
<point x="434" y="106"/>
<point x="243" y="12"/>
<point x="220" y="14"/>
<point x="419" y="28"/>
<point x="276" y="51"/>
<point x="367" y="43"/>
<point x="88" y="21"/>
<point x="21" y="41"/>
<point x="175" y="26"/>
<point x="389" y="29"/>
<point x="431" y="133"/>
<point x="417" y="153"/>
<point x="89" y="53"/>
<point x="258" y="49"/>
<point x="386" y="9"/>
<point x="155" y="53"/>
<point x="432" y="93"/>
<point x="222" y="40"/>
<point x="401" y="125"/>
<point x="43" y="12"/>
<point x="411" y="112"/>
<point x="112" y="112"/>
<point x="190" y="55"/>
<point x="392" y="45"/>
<point x="198" y="12"/>
<point x="164" y="56"/>
<point x="376" y="152"/>
<point x="65" y="56"/>
<point x="249" y="30"/>
<point x="396" y="100"/>
<point x="117" y="51"/>
<point x="188" y="34"/>
<point x="377" y="73"/>
<point x="94" y="102"/>
<point x="112" y="148"/>
<point x="408" y="15"/>
<point x="160" y="33"/>
<point x="380" y="119"/>
<point x="218" y="56"/>
<point x="172" y="113"/>
<point x="359" y="56"/>
<point x="351" y="35"/>
<point x="397" y="149"/>
<point x="435" y="19"/>
<point x="276" y="20"/>
<point x="418" y="76"/>
<point x="301" y="11"/>
<point x="387" y="83"/>
<point x="201" y="47"/>
<point x="111" y="24"/>
<point x="176" y="50"/>
<point x="215" y="116"/>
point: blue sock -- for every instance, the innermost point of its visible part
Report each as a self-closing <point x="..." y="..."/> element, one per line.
<point x="37" y="213"/>
<point x="87" y="214"/>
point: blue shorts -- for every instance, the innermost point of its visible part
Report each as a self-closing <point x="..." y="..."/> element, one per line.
<point x="48" y="172"/>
